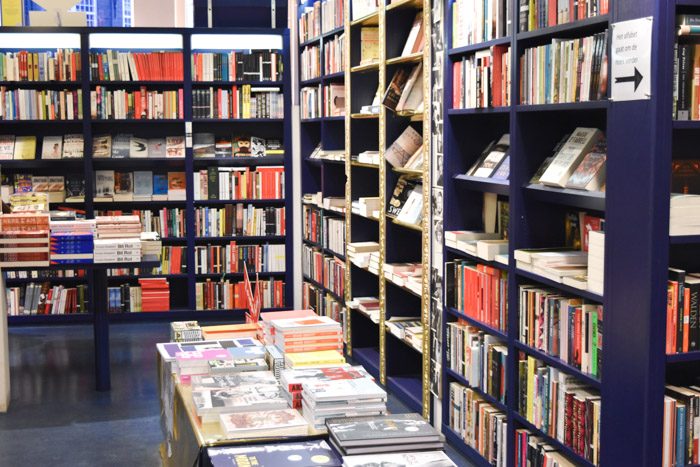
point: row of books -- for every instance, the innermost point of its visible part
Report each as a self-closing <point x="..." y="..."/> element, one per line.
<point x="36" y="298"/>
<point x="140" y="185"/>
<point x="239" y="219"/>
<point x="126" y="145"/>
<point x="681" y="435"/>
<point x="49" y="65"/>
<point x="560" y="406"/>
<point x="474" y="21"/>
<point x="537" y="14"/>
<point x="166" y="222"/>
<point x="322" y="101"/>
<point x="682" y="330"/>
<point x="252" y="65"/>
<point x="310" y="62"/>
<point x="567" y="70"/>
<point x="116" y="65"/>
<point x="24" y="147"/>
<point x="483" y="79"/>
<point x="238" y="102"/>
<point x="44" y="104"/>
<point x="479" y="291"/>
<point x="480" y="424"/>
<point x="120" y="104"/>
<point x="151" y="295"/>
<point x="480" y="358"/>
<point x="561" y="326"/>
<point x="229" y="183"/>
<point x="334" y="55"/>
<point x="233" y="258"/>
<point x="227" y="295"/>
<point x="211" y="145"/>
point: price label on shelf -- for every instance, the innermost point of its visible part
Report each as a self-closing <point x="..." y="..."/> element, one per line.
<point x="631" y="59"/>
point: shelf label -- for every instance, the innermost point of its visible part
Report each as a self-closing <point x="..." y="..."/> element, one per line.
<point x="631" y="59"/>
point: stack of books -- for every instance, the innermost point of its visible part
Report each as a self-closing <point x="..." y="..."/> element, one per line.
<point x="72" y="241"/>
<point x="185" y="331"/>
<point x="360" y="253"/>
<point x="308" y="334"/>
<point x="341" y="398"/>
<point x="383" y="434"/>
<point x="155" y="294"/>
<point x="293" y="380"/>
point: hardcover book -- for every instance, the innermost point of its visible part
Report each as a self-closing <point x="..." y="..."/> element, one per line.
<point x="52" y="147"/>
<point x="101" y="146"/>
<point x="73" y="146"/>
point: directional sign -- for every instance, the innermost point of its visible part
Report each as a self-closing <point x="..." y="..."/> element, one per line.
<point x="631" y="59"/>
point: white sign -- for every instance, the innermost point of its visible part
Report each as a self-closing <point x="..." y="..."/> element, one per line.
<point x="631" y="60"/>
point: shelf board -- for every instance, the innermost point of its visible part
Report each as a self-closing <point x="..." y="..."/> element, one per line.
<point x="310" y="41"/>
<point x="333" y="76"/>
<point x="417" y="228"/>
<point x="224" y="202"/>
<point x="400" y="4"/>
<point x="477" y="324"/>
<point x="467" y="451"/>
<point x="684" y="239"/>
<point x="409" y="390"/>
<point x="472" y="257"/>
<point x="564" y="449"/>
<point x="72" y="318"/>
<point x="239" y="161"/>
<point x="563" y="287"/>
<point x="411" y="172"/>
<point x="371" y="19"/>
<point x="466" y="49"/>
<point x="559" y="364"/>
<point x="412" y="58"/>
<point x="310" y="81"/>
<point x="594" y="200"/>
<point x="488" y="185"/>
<point x="333" y="32"/>
<point x="504" y="110"/>
<point x="576" y="27"/>
<point x="590" y="105"/>
<point x="241" y="238"/>
<point x="487" y="397"/>
<point x="368" y="357"/>
<point x="374" y="66"/>
<point x="685" y="357"/>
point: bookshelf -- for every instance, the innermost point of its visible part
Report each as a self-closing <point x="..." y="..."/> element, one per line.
<point x="636" y="211"/>
<point x="184" y="43"/>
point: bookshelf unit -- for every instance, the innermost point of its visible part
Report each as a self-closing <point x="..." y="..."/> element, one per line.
<point x="186" y="41"/>
<point x="636" y="211"/>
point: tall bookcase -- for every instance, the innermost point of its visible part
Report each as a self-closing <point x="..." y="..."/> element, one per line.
<point x="182" y="286"/>
<point x="642" y="139"/>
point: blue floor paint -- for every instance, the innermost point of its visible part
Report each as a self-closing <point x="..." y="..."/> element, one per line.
<point x="56" y="417"/>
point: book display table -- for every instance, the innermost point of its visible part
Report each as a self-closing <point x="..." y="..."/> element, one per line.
<point x="186" y="438"/>
<point x="98" y="298"/>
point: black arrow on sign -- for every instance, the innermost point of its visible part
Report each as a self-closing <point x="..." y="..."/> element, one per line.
<point x="636" y="79"/>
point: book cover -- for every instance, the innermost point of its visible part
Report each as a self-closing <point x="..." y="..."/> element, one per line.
<point x="121" y="146"/>
<point x="25" y="148"/>
<point x="175" y="146"/>
<point x="138" y="147"/>
<point x="204" y="145"/>
<point x="101" y="146"/>
<point x="156" y="147"/>
<point x="52" y="147"/>
<point x="73" y="146"/>
<point x="7" y="147"/>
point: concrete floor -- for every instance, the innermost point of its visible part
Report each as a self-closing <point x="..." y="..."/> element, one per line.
<point x="56" y="418"/>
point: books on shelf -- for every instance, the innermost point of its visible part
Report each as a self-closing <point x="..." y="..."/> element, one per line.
<point x="491" y="159"/>
<point x="141" y="104"/>
<point x="682" y="330"/>
<point x="238" y="102"/>
<point x="560" y="406"/>
<point x="116" y="65"/>
<point x="469" y="412"/>
<point x="229" y="183"/>
<point x="369" y="44"/>
<point x="334" y="55"/>
<point x="548" y="13"/>
<point x="474" y="22"/>
<point x="380" y="434"/>
<point x="570" y="156"/>
<point x="232" y="258"/>
<point x="239" y="219"/>
<point x="561" y="326"/>
<point x="569" y="77"/>
<point x="483" y="79"/>
<point x="44" y="104"/>
<point x="252" y="65"/>
<point x="43" y="298"/>
<point x="47" y="65"/>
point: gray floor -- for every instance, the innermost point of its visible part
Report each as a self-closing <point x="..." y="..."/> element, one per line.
<point x="57" y="419"/>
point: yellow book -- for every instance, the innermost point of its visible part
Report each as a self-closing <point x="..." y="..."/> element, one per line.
<point x="25" y="147"/>
<point x="531" y="367"/>
<point x="321" y="357"/>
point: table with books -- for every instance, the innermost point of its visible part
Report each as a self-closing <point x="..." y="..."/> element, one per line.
<point x="257" y="392"/>
<point x="37" y="241"/>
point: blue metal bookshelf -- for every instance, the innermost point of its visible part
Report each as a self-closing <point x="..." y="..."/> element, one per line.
<point x="636" y="209"/>
<point x="182" y="285"/>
